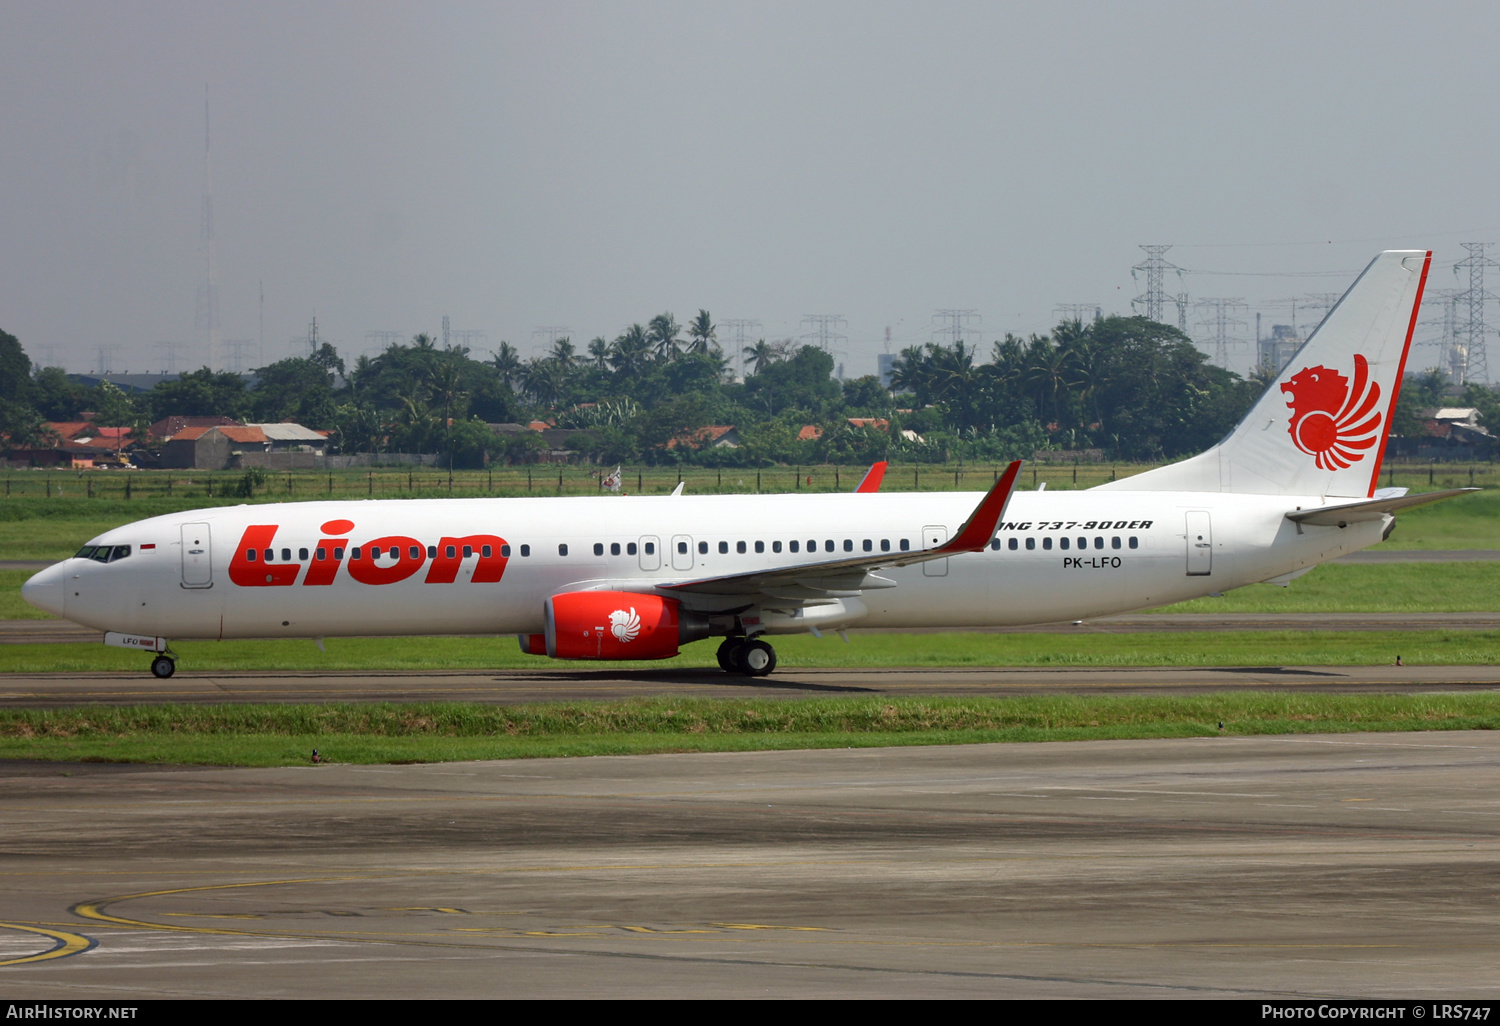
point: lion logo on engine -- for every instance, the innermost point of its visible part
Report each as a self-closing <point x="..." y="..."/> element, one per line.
<point x="1333" y="421"/>
<point x="625" y="626"/>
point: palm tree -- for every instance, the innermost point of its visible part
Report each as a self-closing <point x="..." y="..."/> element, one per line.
<point x="629" y="351"/>
<point x="701" y="331"/>
<point x="563" y="353"/>
<point x="507" y="363"/>
<point x="762" y="355"/>
<point x="599" y="353"/>
<point x="662" y="334"/>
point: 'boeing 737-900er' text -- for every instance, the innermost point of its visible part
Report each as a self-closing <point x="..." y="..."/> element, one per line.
<point x="638" y="577"/>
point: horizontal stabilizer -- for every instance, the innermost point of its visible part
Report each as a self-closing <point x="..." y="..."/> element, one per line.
<point x="1371" y="509"/>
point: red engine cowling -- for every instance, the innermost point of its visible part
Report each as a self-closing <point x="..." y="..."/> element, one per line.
<point x="618" y="625"/>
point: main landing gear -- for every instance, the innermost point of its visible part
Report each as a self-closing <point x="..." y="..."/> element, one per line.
<point x="749" y="656"/>
<point x="163" y="666"/>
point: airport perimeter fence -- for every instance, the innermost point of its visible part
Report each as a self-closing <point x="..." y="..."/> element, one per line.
<point x="411" y="482"/>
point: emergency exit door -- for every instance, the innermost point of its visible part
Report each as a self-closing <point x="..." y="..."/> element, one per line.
<point x="1200" y="544"/>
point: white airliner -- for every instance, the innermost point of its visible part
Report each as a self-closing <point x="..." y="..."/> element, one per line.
<point x="632" y="577"/>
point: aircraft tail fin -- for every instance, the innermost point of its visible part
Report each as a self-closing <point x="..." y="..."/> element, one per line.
<point x="1322" y="425"/>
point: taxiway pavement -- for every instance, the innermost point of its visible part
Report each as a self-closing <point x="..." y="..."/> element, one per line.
<point x="1299" y="867"/>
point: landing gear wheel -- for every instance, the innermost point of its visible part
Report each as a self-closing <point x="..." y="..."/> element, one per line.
<point x="163" y="666"/>
<point x="756" y="658"/>
<point x="728" y="654"/>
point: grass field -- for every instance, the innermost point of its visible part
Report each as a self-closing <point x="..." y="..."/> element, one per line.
<point x="261" y="735"/>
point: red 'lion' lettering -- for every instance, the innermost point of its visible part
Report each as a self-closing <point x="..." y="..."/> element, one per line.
<point x="367" y="571"/>
<point x="489" y="570"/>
<point x="1332" y="421"/>
<point x="247" y="571"/>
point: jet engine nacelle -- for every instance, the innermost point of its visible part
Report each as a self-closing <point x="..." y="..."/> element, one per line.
<point x="618" y="625"/>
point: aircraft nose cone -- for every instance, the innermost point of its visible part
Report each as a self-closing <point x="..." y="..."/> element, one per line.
<point x="46" y="590"/>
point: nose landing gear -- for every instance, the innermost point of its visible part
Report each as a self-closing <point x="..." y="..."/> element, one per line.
<point x="163" y="666"/>
<point x="749" y="656"/>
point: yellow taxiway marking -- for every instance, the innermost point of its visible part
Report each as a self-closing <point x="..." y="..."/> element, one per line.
<point x="67" y="944"/>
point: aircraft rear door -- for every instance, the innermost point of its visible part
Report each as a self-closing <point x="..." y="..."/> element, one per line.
<point x="935" y="536"/>
<point x="197" y="552"/>
<point x="1200" y="544"/>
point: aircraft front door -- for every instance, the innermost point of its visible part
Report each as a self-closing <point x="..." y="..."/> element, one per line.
<point x="1200" y="544"/>
<point x="197" y="566"/>
<point x="650" y="552"/>
<point x="935" y="536"/>
<point x="682" y="552"/>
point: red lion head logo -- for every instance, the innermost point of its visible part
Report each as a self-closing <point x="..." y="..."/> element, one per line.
<point x="1331" y="421"/>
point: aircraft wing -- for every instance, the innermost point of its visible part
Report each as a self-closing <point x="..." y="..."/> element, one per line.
<point x="849" y="576"/>
<point x="1369" y="509"/>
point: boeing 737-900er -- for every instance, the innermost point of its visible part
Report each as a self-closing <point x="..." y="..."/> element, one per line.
<point x="636" y="577"/>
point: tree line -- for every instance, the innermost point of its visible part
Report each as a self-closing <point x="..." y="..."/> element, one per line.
<point x="1128" y="387"/>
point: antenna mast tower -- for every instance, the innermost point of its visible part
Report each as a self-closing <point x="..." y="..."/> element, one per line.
<point x="1154" y="299"/>
<point x="1476" y="296"/>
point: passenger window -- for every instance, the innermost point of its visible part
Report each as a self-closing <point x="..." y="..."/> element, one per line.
<point x="301" y="553"/>
<point x="270" y="555"/>
<point x="812" y="545"/>
<point x="848" y="545"/>
<point x="1083" y="543"/>
<point x="885" y="545"/>
<point x="1047" y="542"/>
<point x="1133" y="542"/>
<point x="723" y="548"/>
<point x="525" y="551"/>
<point x="1098" y="542"/>
<point x="354" y="553"/>
<point x="286" y="555"/>
<point x="1063" y="543"/>
<point x="703" y="548"/>
<point x="739" y="547"/>
<point x="995" y="544"/>
<point x="431" y="552"/>
<point x="598" y="548"/>
<point x="414" y="552"/>
<point x="828" y="545"/>
<point x="905" y="545"/>
<point x="869" y="545"/>
<point x="614" y="548"/>
<point x="760" y="546"/>
<point x="450" y="551"/>
<point x="794" y="545"/>
<point x="322" y="554"/>
<point x="651" y="548"/>
<point x="1031" y="543"/>
<point x="1114" y="542"/>
<point x="338" y="552"/>
<point x="562" y="549"/>
<point x="776" y="546"/>
<point x="249" y="555"/>
<point x="485" y="552"/>
<point x="682" y="548"/>
<point x="504" y="551"/>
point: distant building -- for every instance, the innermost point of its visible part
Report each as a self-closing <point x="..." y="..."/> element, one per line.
<point x="1274" y="353"/>
<point x="886" y="362"/>
<point x="716" y="436"/>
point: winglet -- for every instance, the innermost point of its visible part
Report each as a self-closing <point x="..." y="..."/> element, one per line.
<point x="980" y="527"/>
<point x="873" y="477"/>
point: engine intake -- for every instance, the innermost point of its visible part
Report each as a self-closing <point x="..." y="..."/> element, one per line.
<point x="619" y="625"/>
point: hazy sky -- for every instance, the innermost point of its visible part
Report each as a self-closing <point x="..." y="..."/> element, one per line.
<point x="588" y="165"/>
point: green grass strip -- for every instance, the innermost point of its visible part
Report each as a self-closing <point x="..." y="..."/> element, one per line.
<point x="280" y="735"/>
<point x="865" y="651"/>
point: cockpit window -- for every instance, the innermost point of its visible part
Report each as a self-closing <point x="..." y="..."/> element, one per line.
<point x="103" y="553"/>
<point x="86" y="552"/>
